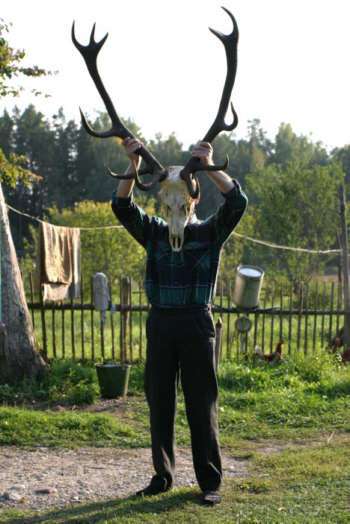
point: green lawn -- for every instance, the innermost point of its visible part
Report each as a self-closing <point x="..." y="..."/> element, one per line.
<point x="304" y="403"/>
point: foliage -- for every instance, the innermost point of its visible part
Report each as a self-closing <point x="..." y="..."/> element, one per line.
<point x="296" y="206"/>
<point x="287" y="180"/>
<point x="66" y="382"/>
<point x="11" y="66"/>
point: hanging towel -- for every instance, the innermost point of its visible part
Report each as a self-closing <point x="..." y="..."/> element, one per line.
<point x="60" y="274"/>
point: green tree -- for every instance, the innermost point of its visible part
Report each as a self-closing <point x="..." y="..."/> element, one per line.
<point x="11" y="68"/>
<point x="296" y="207"/>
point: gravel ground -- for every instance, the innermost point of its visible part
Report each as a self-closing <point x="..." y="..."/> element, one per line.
<point x="41" y="478"/>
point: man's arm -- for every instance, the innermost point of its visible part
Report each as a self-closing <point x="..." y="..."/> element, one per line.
<point x="231" y="211"/>
<point x="125" y="187"/>
<point x="133" y="218"/>
<point x="204" y="151"/>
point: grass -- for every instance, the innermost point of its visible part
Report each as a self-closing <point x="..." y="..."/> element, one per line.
<point x="307" y="486"/>
<point x="296" y="399"/>
<point x="303" y="404"/>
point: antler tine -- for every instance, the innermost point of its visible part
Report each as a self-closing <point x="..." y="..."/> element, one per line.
<point x="230" y="42"/>
<point x="89" y="53"/>
<point x="194" y="164"/>
<point x="144" y="187"/>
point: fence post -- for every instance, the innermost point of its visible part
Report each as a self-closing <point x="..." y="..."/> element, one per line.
<point x="124" y="316"/>
<point x="218" y="333"/>
<point x="345" y="254"/>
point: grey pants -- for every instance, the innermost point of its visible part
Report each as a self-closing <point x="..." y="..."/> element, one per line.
<point x="183" y="341"/>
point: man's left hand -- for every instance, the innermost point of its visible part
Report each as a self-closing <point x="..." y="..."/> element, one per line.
<point x="204" y="151"/>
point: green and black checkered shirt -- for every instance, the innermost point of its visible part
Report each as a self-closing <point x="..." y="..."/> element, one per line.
<point x="186" y="278"/>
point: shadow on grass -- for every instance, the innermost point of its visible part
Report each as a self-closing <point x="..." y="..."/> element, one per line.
<point x="109" y="509"/>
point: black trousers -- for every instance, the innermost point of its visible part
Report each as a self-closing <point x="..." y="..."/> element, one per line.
<point x="183" y="341"/>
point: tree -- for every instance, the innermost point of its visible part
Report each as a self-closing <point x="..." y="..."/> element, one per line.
<point x="296" y="206"/>
<point x="18" y="355"/>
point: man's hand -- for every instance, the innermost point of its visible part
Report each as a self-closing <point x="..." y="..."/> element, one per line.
<point x="131" y="145"/>
<point x="204" y="151"/>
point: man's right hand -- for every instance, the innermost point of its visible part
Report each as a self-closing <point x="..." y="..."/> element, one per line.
<point x="131" y="145"/>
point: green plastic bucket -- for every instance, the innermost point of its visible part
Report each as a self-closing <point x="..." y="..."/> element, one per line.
<point x="113" y="379"/>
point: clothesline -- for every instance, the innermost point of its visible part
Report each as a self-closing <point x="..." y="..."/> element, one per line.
<point x="45" y="222"/>
<point x="238" y="235"/>
<point x="288" y="248"/>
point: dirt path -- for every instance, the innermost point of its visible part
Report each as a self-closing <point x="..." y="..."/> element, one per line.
<point x="41" y="478"/>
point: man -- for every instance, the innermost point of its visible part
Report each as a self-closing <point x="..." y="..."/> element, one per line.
<point x="180" y="329"/>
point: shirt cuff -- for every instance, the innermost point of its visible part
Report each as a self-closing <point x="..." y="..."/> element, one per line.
<point x="235" y="191"/>
<point x="121" y="201"/>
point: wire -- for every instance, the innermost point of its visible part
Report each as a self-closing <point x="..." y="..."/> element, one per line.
<point x="288" y="248"/>
<point x="45" y="222"/>
<point x="243" y="237"/>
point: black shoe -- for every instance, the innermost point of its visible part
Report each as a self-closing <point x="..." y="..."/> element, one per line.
<point x="210" y="498"/>
<point x="156" y="486"/>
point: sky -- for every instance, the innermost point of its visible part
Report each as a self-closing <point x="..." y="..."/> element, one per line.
<point x="165" y="70"/>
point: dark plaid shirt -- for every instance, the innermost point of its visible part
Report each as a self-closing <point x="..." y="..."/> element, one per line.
<point x="186" y="278"/>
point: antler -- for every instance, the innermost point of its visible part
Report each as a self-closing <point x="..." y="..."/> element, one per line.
<point x="118" y="129"/>
<point x="194" y="164"/>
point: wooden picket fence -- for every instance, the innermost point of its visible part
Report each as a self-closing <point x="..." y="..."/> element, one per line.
<point x="306" y="320"/>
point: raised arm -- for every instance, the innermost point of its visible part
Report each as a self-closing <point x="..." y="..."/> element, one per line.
<point x="133" y="218"/>
<point x="231" y="211"/>
<point x="204" y="151"/>
<point x="125" y="187"/>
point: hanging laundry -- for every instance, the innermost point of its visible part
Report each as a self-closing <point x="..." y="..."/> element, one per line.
<point x="60" y="267"/>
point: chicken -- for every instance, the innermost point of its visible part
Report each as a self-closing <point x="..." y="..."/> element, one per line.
<point x="276" y="356"/>
<point x="336" y="343"/>
<point x="345" y="356"/>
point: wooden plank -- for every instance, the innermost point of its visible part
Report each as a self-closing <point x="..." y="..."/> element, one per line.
<point x="43" y="323"/>
<point x="300" y="310"/>
<point x="228" y="324"/>
<point x="256" y="323"/>
<point x="339" y="295"/>
<point x="131" y="351"/>
<point x="82" y="323"/>
<point x="324" y="305"/>
<point x="124" y="296"/>
<point x="92" y="321"/>
<point x="272" y="321"/>
<point x="72" y="327"/>
<point x="330" y="331"/>
<point x="315" y="306"/>
<point x="63" y="328"/>
<point x="290" y="320"/>
<point x="53" y="326"/>
<point x="102" y="334"/>
<point x="112" y="318"/>
<point x="140" y="322"/>
<point x="281" y="316"/>
<point x="306" y="318"/>
<point x="263" y="326"/>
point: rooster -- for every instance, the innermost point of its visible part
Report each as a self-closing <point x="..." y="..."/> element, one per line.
<point x="274" y="357"/>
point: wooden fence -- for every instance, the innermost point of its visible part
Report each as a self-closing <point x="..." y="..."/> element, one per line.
<point x="306" y="320"/>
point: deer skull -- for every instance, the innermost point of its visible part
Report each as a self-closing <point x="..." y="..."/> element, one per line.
<point x="178" y="206"/>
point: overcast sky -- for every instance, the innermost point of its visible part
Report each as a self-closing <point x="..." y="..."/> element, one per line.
<point x="164" y="69"/>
